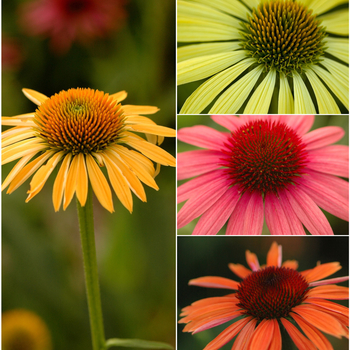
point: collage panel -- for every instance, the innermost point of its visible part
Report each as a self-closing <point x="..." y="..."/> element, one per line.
<point x="256" y="293"/>
<point x="252" y="175"/>
<point x="263" y="57"/>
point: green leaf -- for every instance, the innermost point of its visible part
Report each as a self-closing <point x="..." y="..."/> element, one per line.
<point x="137" y="343"/>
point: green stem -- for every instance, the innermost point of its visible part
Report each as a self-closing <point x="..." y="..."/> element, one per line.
<point x="86" y="223"/>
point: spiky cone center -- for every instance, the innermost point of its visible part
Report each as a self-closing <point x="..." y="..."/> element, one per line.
<point x="283" y="35"/>
<point x="271" y="293"/>
<point x="79" y="121"/>
<point x="264" y="156"/>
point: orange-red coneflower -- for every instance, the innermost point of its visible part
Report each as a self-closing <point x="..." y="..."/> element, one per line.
<point x="81" y="130"/>
<point x="270" y="297"/>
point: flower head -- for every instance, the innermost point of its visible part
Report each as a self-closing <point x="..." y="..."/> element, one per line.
<point x="83" y="130"/>
<point x="253" y="52"/>
<point x="67" y="21"/>
<point x="268" y="166"/>
<point x="270" y="297"/>
<point x="23" y="329"/>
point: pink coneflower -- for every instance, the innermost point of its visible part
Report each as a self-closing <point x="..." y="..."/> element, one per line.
<point x="66" y="21"/>
<point x="268" y="298"/>
<point x="267" y="166"/>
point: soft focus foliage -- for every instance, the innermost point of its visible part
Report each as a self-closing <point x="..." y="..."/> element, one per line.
<point x="42" y="261"/>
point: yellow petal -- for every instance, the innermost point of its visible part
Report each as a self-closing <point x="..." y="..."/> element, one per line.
<point x="13" y="121"/>
<point x="138" y="119"/>
<point x="99" y="184"/>
<point x="60" y="182"/>
<point x="130" y="109"/>
<point x="131" y="178"/>
<point x="35" y="96"/>
<point x="285" y="97"/>
<point x="40" y="177"/>
<point x="151" y="151"/>
<point x="119" y="183"/>
<point x="153" y="129"/>
<point x="25" y="134"/>
<point x="302" y="100"/>
<point x="82" y="180"/>
<point x="28" y="170"/>
<point x="14" y="131"/>
<point x="119" y="96"/>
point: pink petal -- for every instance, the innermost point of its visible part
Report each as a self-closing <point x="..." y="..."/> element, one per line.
<point x="323" y="137"/>
<point x="276" y="218"/>
<point x="301" y="124"/>
<point x="329" y="281"/>
<point x="329" y="165"/>
<point x="230" y="122"/>
<point x="248" y="215"/>
<point x="338" y="151"/>
<point x="202" y="201"/>
<point x="216" y="216"/>
<point x="199" y="184"/>
<point x="247" y="118"/>
<point x="193" y="163"/>
<point x="203" y="136"/>
<point x="334" y="183"/>
<point x="308" y="212"/>
<point x="294" y="222"/>
<point x="326" y="198"/>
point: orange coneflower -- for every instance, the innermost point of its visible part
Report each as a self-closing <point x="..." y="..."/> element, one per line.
<point x="83" y="130"/>
<point x="270" y="297"/>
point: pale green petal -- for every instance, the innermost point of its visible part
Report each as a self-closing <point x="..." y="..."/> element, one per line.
<point x="336" y="22"/>
<point x="201" y="30"/>
<point x="321" y="6"/>
<point x="196" y="50"/>
<point x="285" y="97"/>
<point x="260" y="102"/>
<point x="252" y="3"/>
<point x="302" y="100"/>
<point x="206" y="93"/>
<point x="205" y="66"/>
<point x="196" y="11"/>
<point x="340" y="71"/>
<point x="325" y="101"/>
<point x="339" y="48"/>
<point x="234" y="97"/>
<point x="340" y="90"/>
<point x="233" y="7"/>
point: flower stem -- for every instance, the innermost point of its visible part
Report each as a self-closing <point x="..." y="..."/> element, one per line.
<point x="86" y="223"/>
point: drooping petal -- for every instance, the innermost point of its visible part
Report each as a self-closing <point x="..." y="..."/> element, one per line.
<point x="285" y="97"/>
<point x="276" y="342"/>
<point x="262" y="336"/>
<point x="99" y="184"/>
<point x="243" y="339"/>
<point x="302" y="100"/>
<point x="329" y="305"/>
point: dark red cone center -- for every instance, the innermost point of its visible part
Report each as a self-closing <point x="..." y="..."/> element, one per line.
<point x="264" y="156"/>
<point x="271" y="292"/>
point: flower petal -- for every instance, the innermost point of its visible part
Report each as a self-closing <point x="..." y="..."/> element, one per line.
<point x="285" y="97"/>
<point x="302" y="100"/>
<point x="262" y="336"/>
<point x="35" y="96"/>
<point x="243" y="339"/>
<point x="274" y="255"/>
<point x="214" y="282"/>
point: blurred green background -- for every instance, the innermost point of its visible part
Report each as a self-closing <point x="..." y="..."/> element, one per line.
<point x="339" y="226"/>
<point x="41" y="256"/>
<point x="210" y="256"/>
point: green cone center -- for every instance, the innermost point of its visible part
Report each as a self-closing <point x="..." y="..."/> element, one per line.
<point x="283" y="35"/>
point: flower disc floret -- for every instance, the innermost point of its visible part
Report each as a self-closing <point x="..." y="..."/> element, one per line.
<point x="284" y="35"/>
<point x="264" y="156"/>
<point x="271" y="292"/>
<point x="79" y="121"/>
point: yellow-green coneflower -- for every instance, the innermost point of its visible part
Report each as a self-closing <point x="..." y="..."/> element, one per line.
<point x="83" y="130"/>
<point x="269" y="56"/>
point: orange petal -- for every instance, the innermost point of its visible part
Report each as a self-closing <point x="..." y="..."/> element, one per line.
<point x="321" y="271"/>
<point x="228" y="334"/>
<point x="214" y="282"/>
<point x="262" y="335"/>
<point x="276" y="342"/>
<point x="244" y="336"/>
<point x="312" y="333"/>
<point x="300" y="341"/>
<point x="329" y="305"/>
<point x="274" y="256"/>
<point x="329" y="292"/>
<point x="291" y="264"/>
<point x="321" y="320"/>
<point x="239" y="270"/>
<point x="252" y="260"/>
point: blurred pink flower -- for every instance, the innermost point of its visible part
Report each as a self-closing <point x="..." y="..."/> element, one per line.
<point x="11" y="55"/>
<point x="66" y="21"/>
<point x="268" y="167"/>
